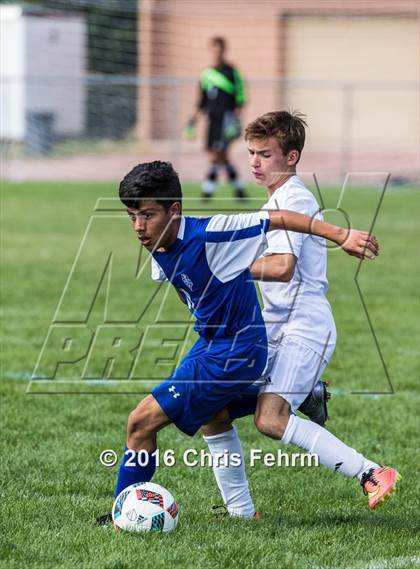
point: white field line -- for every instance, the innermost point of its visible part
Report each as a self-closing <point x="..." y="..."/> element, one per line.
<point x="392" y="563"/>
<point x="28" y="376"/>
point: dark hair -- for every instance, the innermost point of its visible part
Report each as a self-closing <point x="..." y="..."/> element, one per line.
<point x="153" y="181"/>
<point x="218" y="40"/>
<point x="287" y="128"/>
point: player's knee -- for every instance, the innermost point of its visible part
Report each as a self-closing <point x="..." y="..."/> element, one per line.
<point x="139" y="419"/>
<point x="213" y="158"/>
<point x="273" y="427"/>
<point x="135" y="422"/>
<point x="266" y="426"/>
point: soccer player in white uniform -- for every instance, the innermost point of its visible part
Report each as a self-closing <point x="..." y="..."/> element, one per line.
<point x="300" y="325"/>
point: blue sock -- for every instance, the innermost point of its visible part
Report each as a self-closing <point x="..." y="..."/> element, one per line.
<point x="131" y="472"/>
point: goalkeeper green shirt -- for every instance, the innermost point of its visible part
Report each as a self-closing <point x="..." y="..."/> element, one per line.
<point x="222" y="89"/>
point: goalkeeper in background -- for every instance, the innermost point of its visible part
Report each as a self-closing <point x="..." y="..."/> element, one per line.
<point x="221" y="98"/>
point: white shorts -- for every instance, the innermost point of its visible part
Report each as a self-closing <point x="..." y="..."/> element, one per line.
<point x="292" y="371"/>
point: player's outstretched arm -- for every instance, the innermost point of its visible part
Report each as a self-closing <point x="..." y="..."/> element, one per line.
<point x="359" y="244"/>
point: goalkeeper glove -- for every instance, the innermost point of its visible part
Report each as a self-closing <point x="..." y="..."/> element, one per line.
<point x="190" y="130"/>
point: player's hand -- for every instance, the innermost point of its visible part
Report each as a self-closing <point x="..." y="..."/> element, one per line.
<point x="361" y="244"/>
<point x="189" y="130"/>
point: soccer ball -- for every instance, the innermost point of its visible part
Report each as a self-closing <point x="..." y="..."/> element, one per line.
<point x="145" y="507"/>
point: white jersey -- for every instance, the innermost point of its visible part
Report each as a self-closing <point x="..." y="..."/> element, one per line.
<point x="299" y="308"/>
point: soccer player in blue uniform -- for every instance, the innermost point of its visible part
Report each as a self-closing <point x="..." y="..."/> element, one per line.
<point x="207" y="261"/>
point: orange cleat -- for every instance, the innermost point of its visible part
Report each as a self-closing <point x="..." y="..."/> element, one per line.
<point x="378" y="483"/>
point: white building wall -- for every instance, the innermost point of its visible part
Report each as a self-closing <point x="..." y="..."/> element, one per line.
<point x="43" y="69"/>
<point x="55" y="52"/>
<point x="12" y="72"/>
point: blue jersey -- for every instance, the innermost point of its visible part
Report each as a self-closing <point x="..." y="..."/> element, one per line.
<point x="209" y="266"/>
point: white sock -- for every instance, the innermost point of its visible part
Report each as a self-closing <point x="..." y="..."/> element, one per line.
<point x="231" y="479"/>
<point x="209" y="187"/>
<point x="331" y="452"/>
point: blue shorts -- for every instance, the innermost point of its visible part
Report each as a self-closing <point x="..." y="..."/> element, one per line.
<point x="213" y="375"/>
<point x="245" y="404"/>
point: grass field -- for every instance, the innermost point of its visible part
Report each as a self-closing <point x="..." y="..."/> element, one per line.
<point x="52" y="483"/>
